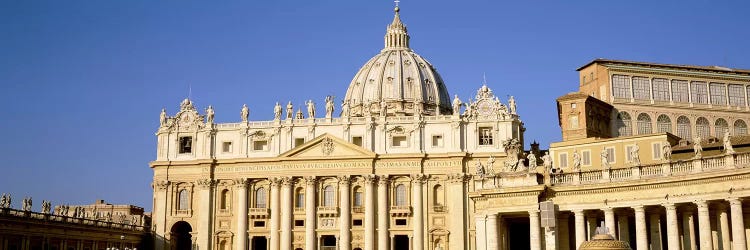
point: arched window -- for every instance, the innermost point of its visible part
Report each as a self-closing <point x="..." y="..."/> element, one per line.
<point x="663" y="124"/>
<point x="624" y="124"/>
<point x="702" y="128"/>
<point x="329" y="196"/>
<point x="225" y="199"/>
<point x="683" y="128"/>
<point x="299" y="197"/>
<point x="358" y="197"/>
<point x="740" y="128"/>
<point x="644" y="124"/>
<point x="438" y="195"/>
<point x="223" y="245"/>
<point x="721" y="126"/>
<point x="183" y="200"/>
<point x="400" y="195"/>
<point x="260" y="197"/>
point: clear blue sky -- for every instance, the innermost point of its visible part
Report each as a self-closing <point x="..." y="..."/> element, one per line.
<point x="82" y="82"/>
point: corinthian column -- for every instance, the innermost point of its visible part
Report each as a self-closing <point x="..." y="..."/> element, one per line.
<point x="580" y="222"/>
<point x="286" y="213"/>
<point x="383" y="214"/>
<point x="240" y="185"/>
<point x="310" y="212"/>
<point x="724" y="226"/>
<point x="673" y="234"/>
<point x="275" y="213"/>
<point x="738" y="225"/>
<point x="369" y="213"/>
<point x="535" y="230"/>
<point x="641" y="233"/>
<point x="704" y="225"/>
<point x="609" y="221"/>
<point x="160" y="212"/>
<point x="418" y="219"/>
<point x="688" y="231"/>
<point x="456" y="213"/>
<point x="492" y="235"/>
<point x="345" y="220"/>
<point x="204" y="218"/>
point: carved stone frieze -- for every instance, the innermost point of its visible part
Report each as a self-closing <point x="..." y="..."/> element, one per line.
<point x="241" y="182"/>
<point x="160" y="184"/>
<point x="205" y="183"/>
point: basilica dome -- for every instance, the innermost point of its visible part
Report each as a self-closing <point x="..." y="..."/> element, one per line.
<point x="397" y="80"/>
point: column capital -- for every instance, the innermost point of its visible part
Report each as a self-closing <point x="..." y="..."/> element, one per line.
<point x="641" y="208"/>
<point x="370" y="178"/>
<point x="343" y="179"/>
<point x="701" y="204"/>
<point x="458" y="178"/>
<point x="383" y="180"/>
<point x="275" y="181"/>
<point x="669" y="206"/>
<point x="734" y="201"/>
<point x="311" y="180"/>
<point x="577" y="211"/>
<point x="160" y="184"/>
<point x="533" y="212"/>
<point x="419" y="178"/>
<point x="286" y="181"/>
<point x="241" y="182"/>
<point x="205" y="183"/>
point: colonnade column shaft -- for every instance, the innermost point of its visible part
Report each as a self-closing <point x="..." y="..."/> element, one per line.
<point x="345" y="220"/>
<point x="641" y="233"/>
<point x="580" y="222"/>
<point x="241" y="213"/>
<point x="609" y="221"/>
<point x="535" y="230"/>
<point x="369" y="212"/>
<point x="591" y="221"/>
<point x="492" y="235"/>
<point x="655" y="229"/>
<point x="160" y="212"/>
<point x="310" y="213"/>
<point x="688" y="230"/>
<point x="286" y="213"/>
<point x="738" y="225"/>
<point x="623" y="230"/>
<point x="275" y="213"/>
<point x="481" y="232"/>
<point x="724" y="226"/>
<point x="456" y="212"/>
<point x="704" y="225"/>
<point x="205" y="213"/>
<point x="673" y="234"/>
<point x="383" y="214"/>
<point x="418" y="219"/>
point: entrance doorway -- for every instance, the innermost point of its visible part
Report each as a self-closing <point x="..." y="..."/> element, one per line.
<point x="401" y="242"/>
<point x="259" y="243"/>
<point x="518" y="233"/>
<point x="180" y="236"/>
<point x="328" y="242"/>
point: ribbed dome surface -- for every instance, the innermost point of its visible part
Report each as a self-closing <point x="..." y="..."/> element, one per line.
<point x="398" y="78"/>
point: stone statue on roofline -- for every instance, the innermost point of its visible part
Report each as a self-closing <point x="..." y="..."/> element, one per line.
<point x="456" y="105"/>
<point x="666" y="151"/>
<point x="210" y="115"/>
<point x="727" y="142"/>
<point x="329" y="106"/>
<point x="277" y="111"/>
<point x="697" y="148"/>
<point x="244" y="113"/>
<point x="512" y="104"/>
<point x="310" y="108"/>
<point x="605" y="159"/>
<point x="163" y="117"/>
<point x="635" y="155"/>
<point x="479" y="169"/>
<point x="289" y="110"/>
<point x="547" y="161"/>
<point x="532" y="160"/>
<point x="576" y="161"/>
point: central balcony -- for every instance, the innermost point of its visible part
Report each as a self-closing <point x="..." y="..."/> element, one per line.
<point x="400" y="211"/>
<point x="258" y="213"/>
<point x="328" y="211"/>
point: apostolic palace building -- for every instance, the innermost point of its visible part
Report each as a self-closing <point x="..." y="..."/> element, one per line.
<point x="655" y="154"/>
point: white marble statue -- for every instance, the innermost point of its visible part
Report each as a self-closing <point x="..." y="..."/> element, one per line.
<point x="697" y="148"/>
<point x="310" y="109"/>
<point x="576" y="161"/>
<point x="666" y="149"/>
<point x="210" y="115"/>
<point x="366" y="109"/>
<point x="479" y="169"/>
<point x="532" y="160"/>
<point x="456" y="105"/>
<point x="383" y="108"/>
<point x="635" y="155"/>
<point x="244" y="113"/>
<point x="277" y="111"/>
<point x="345" y="108"/>
<point x="547" y="161"/>
<point x="163" y="117"/>
<point x="490" y="169"/>
<point x="46" y="207"/>
<point x="605" y="159"/>
<point x="329" y="106"/>
<point x="289" y="110"/>
<point x="512" y="104"/>
<point x="727" y="143"/>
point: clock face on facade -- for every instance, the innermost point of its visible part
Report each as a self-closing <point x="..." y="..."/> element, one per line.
<point x="186" y="118"/>
<point x="485" y="108"/>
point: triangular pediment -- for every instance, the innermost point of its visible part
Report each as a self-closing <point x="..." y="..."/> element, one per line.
<point x="327" y="146"/>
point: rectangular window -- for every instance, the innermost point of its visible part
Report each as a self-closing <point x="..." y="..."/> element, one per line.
<point x="299" y="223"/>
<point x="586" y="158"/>
<point x="718" y="94"/>
<point x="300" y="200"/>
<point x="186" y="145"/>
<point x="357" y="140"/>
<point x="680" y="91"/>
<point x="298" y="142"/>
<point x="736" y="95"/>
<point x="357" y="223"/>
<point x="398" y="141"/>
<point x="621" y="86"/>
<point x="400" y="222"/>
<point x="656" y="150"/>
<point x="628" y="155"/>
<point x="226" y="147"/>
<point x="698" y="92"/>
<point x="260" y="145"/>
<point x="661" y="89"/>
<point x="563" y="160"/>
<point x="641" y="88"/>
<point x="611" y="155"/>
<point x="358" y="199"/>
<point x="259" y="223"/>
<point x="485" y="136"/>
<point x="437" y="140"/>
